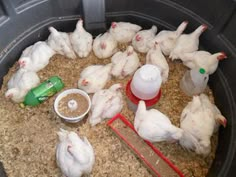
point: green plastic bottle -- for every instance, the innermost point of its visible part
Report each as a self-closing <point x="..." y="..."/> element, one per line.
<point x="42" y="92"/>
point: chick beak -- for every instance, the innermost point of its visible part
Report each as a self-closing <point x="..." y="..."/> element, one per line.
<point x="84" y="82"/>
<point x="68" y="148"/>
<point x="129" y="53"/>
<point x="9" y="96"/>
<point x="21" y="64"/>
<point x="78" y="132"/>
<point x="204" y="27"/>
<point x="103" y="46"/>
<point x="113" y="25"/>
<point x="121" y="87"/>
<point x="123" y="73"/>
<point x="138" y="38"/>
<point x="155" y="45"/>
<point x="223" y="122"/>
<point x="222" y="56"/>
<point x="186" y="22"/>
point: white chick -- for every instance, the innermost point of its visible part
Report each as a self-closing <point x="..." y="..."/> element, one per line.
<point x="219" y="118"/>
<point x="60" y="42"/>
<point x="36" y="57"/>
<point x="199" y="120"/>
<point x="104" y="45"/>
<point x="187" y="43"/>
<point x="155" y="57"/>
<point x="81" y="40"/>
<point x="20" y="83"/>
<point x="124" y="32"/>
<point x="106" y="104"/>
<point x="142" y="39"/>
<point x="74" y="155"/>
<point x="203" y="59"/>
<point x="154" y="126"/>
<point x="167" y="39"/>
<point x="94" y="77"/>
<point x="124" y="63"/>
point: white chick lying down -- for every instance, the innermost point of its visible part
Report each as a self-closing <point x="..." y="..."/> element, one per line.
<point x="36" y="57"/>
<point x="104" y="45"/>
<point x="20" y="83"/>
<point x="154" y="126"/>
<point x="123" y="32"/>
<point x="199" y="120"/>
<point x="74" y="155"/>
<point x="106" y="104"/>
<point x="124" y="63"/>
<point x="187" y="43"/>
<point x="167" y="38"/>
<point x="141" y="41"/>
<point x="94" y="77"/>
<point x="60" y="42"/>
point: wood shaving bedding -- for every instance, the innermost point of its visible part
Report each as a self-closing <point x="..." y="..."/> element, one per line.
<point x="28" y="136"/>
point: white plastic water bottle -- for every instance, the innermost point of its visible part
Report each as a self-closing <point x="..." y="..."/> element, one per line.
<point x="194" y="81"/>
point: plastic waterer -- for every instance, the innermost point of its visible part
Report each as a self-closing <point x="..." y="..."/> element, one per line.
<point x="145" y="85"/>
<point x="194" y="82"/>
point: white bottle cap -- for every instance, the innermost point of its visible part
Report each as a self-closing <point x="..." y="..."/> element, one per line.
<point x="146" y="82"/>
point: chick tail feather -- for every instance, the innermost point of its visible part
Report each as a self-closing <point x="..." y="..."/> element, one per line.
<point x="189" y="142"/>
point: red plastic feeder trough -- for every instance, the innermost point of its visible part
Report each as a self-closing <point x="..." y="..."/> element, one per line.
<point x="157" y="163"/>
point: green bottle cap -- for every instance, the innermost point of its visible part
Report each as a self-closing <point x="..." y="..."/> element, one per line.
<point x="57" y="82"/>
<point x="202" y="71"/>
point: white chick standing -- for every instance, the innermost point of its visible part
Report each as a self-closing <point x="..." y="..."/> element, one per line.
<point x="124" y="32"/>
<point x="203" y="59"/>
<point x="106" y="104"/>
<point x="187" y="43"/>
<point x="142" y="39"/>
<point x="154" y="126"/>
<point x="155" y="57"/>
<point x="104" y="45"/>
<point x="74" y="155"/>
<point x="60" y="42"/>
<point x="36" y="57"/>
<point x="124" y="63"/>
<point x="20" y="83"/>
<point x="199" y="120"/>
<point x="167" y="39"/>
<point x="81" y="40"/>
<point x="94" y="77"/>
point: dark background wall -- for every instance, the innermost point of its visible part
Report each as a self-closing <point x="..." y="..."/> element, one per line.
<point x="23" y="22"/>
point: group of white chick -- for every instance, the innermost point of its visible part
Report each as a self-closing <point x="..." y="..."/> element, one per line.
<point x="199" y="119"/>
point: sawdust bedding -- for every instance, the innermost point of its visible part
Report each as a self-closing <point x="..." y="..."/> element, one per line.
<point x="28" y="136"/>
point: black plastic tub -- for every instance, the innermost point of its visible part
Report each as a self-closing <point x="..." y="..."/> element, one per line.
<point x="23" y="22"/>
